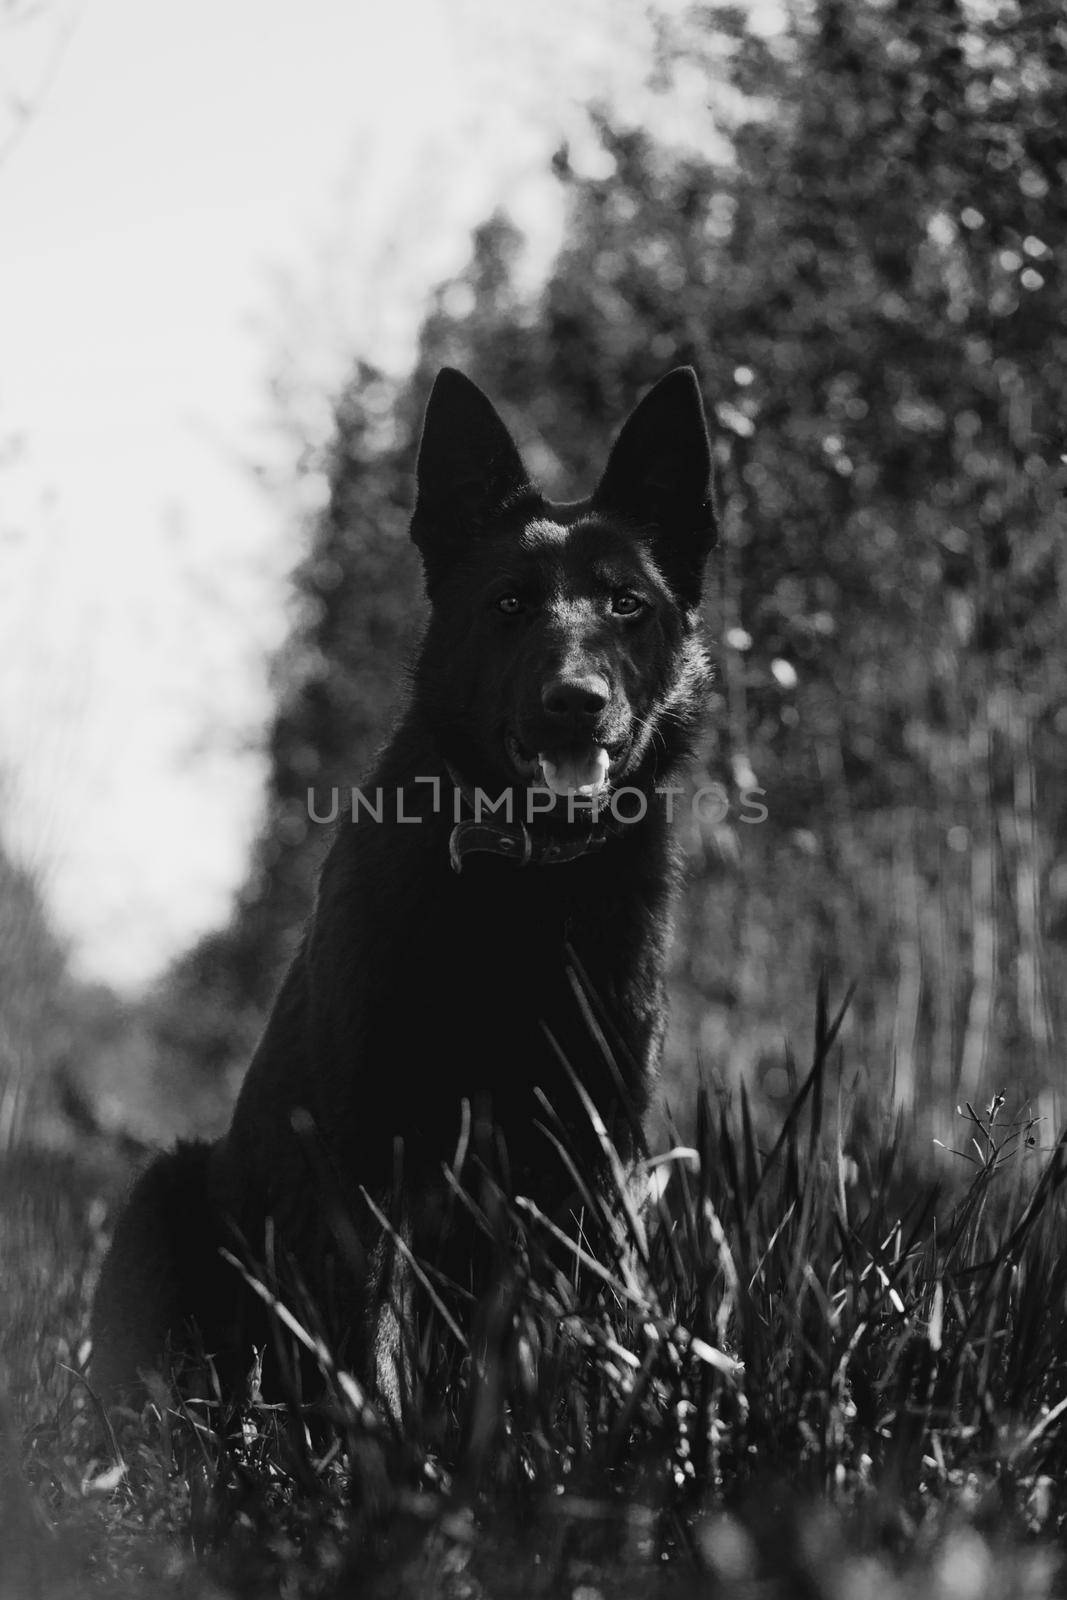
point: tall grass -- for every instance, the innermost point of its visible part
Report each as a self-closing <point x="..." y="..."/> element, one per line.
<point x="822" y="1317"/>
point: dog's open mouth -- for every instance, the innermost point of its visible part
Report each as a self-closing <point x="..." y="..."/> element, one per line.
<point x="583" y="771"/>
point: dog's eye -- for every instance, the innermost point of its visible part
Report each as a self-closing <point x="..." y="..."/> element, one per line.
<point x="510" y="605"/>
<point x="626" y="604"/>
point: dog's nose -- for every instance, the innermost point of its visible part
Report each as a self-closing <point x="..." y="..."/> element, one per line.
<point x="576" y="697"/>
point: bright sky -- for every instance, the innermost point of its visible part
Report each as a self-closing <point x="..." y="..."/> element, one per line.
<point x="204" y="184"/>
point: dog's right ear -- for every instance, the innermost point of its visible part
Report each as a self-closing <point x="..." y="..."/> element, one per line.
<point x="468" y="468"/>
<point x="659" y="473"/>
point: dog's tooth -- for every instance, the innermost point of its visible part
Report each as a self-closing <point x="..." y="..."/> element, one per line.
<point x="585" y="775"/>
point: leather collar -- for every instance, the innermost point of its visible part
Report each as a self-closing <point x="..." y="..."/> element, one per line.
<point x="518" y="841"/>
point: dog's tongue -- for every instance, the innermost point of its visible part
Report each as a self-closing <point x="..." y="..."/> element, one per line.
<point x="584" y="772"/>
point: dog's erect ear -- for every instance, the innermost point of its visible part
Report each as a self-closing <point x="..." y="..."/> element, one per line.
<point x="658" y="475"/>
<point x="468" y="467"/>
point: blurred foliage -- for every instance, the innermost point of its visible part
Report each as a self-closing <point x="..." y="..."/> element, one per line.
<point x="73" y="1055"/>
<point x="34" y="1033"/>
<point x="871" y="289"/>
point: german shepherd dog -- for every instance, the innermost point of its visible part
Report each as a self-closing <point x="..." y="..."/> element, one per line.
<point x="514" y="835"/>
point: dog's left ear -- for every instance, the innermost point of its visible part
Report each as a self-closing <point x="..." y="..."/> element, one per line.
<point x="468" y="468"/>
<point x="658" y="475"/>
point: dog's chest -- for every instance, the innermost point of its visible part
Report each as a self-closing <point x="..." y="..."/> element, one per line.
<point x="488" y="974"/>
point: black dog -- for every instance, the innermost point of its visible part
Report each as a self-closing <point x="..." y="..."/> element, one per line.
<point x="516" y="827"/>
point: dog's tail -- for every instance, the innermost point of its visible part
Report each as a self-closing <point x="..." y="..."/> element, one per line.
<point x="162" y="1278"/>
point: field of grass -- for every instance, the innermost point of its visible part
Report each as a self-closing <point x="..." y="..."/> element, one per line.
<point x="819" y="1362"/>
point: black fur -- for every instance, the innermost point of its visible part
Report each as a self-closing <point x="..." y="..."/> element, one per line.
<point x="419" y="990"/>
